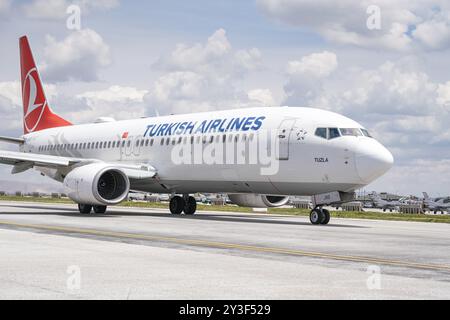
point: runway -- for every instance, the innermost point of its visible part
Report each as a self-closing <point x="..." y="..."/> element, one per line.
<point x="52" y="251"/>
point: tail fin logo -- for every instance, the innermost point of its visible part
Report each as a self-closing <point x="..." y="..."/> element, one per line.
<point x="33" y="99"/>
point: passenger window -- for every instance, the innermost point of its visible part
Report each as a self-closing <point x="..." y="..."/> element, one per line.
<point x="321" y="132"/>
<point x="151" y="142"/>
<point x="333" y="133"/>
<point x="162" y="141"/>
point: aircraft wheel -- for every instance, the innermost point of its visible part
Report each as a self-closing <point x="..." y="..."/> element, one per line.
<point x="99" y="209"/>
<point x="84" y="208"/>
<point x="190" y="206"/>
<point x="316" y="216"/>
<point x="327" y="216"/>
<point x="176" y="205"/>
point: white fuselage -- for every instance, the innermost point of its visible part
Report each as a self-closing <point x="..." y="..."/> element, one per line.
<point x="306" y="164"/>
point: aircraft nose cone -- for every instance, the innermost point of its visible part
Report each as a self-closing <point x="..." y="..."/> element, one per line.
<point x="372" y="160"/>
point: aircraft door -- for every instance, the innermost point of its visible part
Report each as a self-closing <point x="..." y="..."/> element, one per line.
<point x="283" y="136"/>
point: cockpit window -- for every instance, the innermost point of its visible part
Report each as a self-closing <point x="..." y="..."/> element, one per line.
<point x="321" y="132"/>
<point x="327" y="133"/>
<point x="366" y="133"/>
<point x="350" y="132"/>
<point x="333" y="133"/>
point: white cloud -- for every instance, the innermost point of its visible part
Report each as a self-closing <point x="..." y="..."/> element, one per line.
<point x="116" y="94"/>
<point x="198" y="57"/>
<point x="80" y="56"/>
<point x="443" y="98"/>
<point x="202" y="77"/>
<point x="399" y="103"/>
<point x="119" y="102"/>
<point x="434" y="33"/>
<point x="10" y="102"/>
<point x="316" y="65"/>
<point x="56" y="9"/>
<point x="405" y="24"/>
<point x="216" y="56"/>
<point x="248" y="59"/>
<point x="11" y="91"/>
<point x="263" y="97"/>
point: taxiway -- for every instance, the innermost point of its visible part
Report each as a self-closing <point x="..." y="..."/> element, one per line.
<point x="52" y="251"/>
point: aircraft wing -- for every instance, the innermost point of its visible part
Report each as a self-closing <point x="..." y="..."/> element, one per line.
<point x="17" y="158"/>
<point x="23" y="161"/>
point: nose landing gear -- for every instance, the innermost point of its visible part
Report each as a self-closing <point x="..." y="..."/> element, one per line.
<point x="319" y="216"/>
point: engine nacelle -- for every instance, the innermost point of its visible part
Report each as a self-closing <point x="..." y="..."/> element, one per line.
<point x="258" y="200"/>
<point x="97" y="183"/>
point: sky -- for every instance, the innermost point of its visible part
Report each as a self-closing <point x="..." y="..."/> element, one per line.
<point x="382" y="63"/>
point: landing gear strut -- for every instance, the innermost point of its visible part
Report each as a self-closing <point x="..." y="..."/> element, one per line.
<point x="319" y="216"/>
<point x="186" y="204"/>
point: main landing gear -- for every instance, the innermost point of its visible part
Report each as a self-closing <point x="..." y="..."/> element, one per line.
<point x="87" y="208"/>
<point x="186" y="204"/>
<point x="319" y="216"/>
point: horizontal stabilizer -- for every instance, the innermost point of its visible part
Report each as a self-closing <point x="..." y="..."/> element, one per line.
<point x="12" y="140"/>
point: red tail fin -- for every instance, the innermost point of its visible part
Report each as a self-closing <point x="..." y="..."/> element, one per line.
<point x="37" y="114"/>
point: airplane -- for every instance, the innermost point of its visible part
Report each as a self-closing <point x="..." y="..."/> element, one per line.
<point x="270" y="152"/>
<point x="384" y="204"/>
<point x="436" y="205"/>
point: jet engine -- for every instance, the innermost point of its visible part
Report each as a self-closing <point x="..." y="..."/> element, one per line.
<point x="97" y="184"/>
<point x="258" y="200"/>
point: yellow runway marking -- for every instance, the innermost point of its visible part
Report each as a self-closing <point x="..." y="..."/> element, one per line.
<point x="224" y="245"/>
